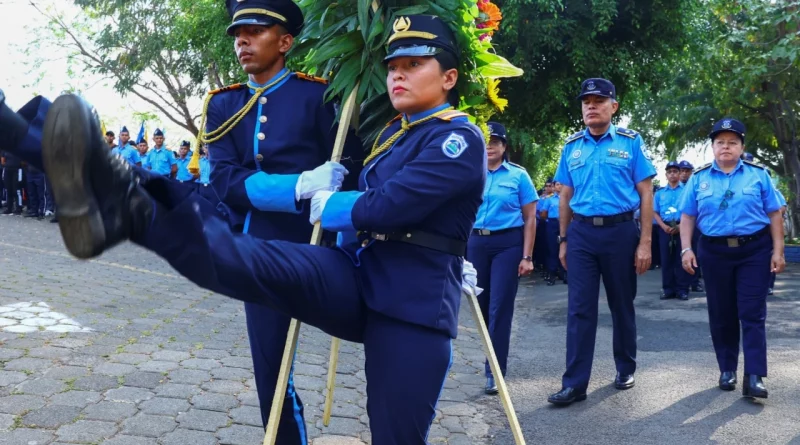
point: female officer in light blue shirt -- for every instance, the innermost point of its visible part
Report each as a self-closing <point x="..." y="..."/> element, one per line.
<point x="502" y="242"/>
<point x="735" y="207"/>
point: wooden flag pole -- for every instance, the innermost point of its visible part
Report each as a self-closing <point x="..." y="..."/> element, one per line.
<point x="294" y="327"/>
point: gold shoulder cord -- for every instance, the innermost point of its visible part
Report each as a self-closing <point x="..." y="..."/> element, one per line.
<point x="225" y="128"/>
<point x="404" y="127"/>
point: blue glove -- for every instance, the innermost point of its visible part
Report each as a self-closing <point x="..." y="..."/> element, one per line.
<point x="328" y="176"/>
<point x="318" y="202"/>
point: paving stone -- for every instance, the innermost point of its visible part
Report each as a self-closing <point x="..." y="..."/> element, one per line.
<point x="128" y="394"/>
<point x="214" y="402"/>
<point x="240" y="435"/>
<point x="17" y="404"/>
<point x="79" y="399"/>
<point x="238" y="362"/>
<point x="49" y="352"/>
<point x="51" y="416"/>
<point x="158" y="366"/>
<point x="96" y="383"/>
<point x="141" y="348"/>
<point x="142" y="379"/>
<point x="82" y="360"/>
<point x="177" y="390"/>
<point x="114" y="369"/>
<point x="92" y="431"/>
<point x="247" y="415"/>
<point x="8" y="378"/>
<point x="337" y="440"/>
<point x="237" y="374"/>
<point x="249" y="398"/>
<point x="200" y="363"/>
<point x="189" y="437"/>
<point x="211" y="353"/>
<point x="130" y="359"/>
<point x="224" y="386"/>
<point x="6" y="422"/>
<point x="170" y="356"/>
<point x="164" y="406"/>
<point x="190" y="376"/>
<point x="343" y="426"/>
<point x="70" y="342"/>
<point x="27" y="436"/>
<point x="121" y="439"/>
<point x="203" y="420"/>
<point x="28" y="364"/>
<point x="7" y="354"/>
<point x="110" y="411"/>
<point x="147" y="425"/>
<point x="42" y="387"/>
<point x="66" y="372"/>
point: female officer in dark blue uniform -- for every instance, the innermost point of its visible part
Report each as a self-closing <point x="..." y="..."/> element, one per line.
<point x="734" y="205"/>
<point x="394" y="283"/>
<point x="502" y="242"/>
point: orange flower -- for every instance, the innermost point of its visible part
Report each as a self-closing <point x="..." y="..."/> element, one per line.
<point x="491" y="11"/>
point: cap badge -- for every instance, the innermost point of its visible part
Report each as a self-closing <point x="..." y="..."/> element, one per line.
<point x="726" y="124"/>
<point x="590" y="86"/>
<point x="401" y="24"/>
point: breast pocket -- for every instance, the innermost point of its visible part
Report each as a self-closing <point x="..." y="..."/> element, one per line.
<point x="617" y="162"/>
<point x="507" y="193"/>
<point x="752" y="192"/>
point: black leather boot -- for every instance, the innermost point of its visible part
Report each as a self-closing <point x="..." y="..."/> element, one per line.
<point x="753" y="386"/>
<point x="99" y="200"/>
<point x="727" y="381"/>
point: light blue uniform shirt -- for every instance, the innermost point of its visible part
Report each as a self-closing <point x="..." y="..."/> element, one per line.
<point x="552" y="206"/>
<point x="183" y="169"/>
<point x="205" y="171"/>
<point x="667" y="202"/>
<point x="781" y="198"/>
<point x="751" y="196"/>
<point x="129" y="153"/>
<point x="161" y="160"/>
<point x="604" y="173"/>
<point x="506" y="191"/>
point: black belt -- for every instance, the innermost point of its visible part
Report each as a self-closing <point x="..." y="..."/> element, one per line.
<point x="425" y="239"/>
<point x="736" y="241"/>
<point x="486" y="232"/>
<point x="604" y="220"/>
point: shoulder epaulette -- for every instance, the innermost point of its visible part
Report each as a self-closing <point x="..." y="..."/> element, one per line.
<point x="574" y="137"/>
<point x="450" y="115"/>
<point x="310" y="78"/>
<point x="627" y="133"/>
<point x="516" y="165"/>
<point x="704" y="167"/>
<point x="235" y="86"/>
<point x="754" y="164"/>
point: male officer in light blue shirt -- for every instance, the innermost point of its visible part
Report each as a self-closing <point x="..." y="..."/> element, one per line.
<point x="126" y="148"/>
<point x="160" y="160"/>
<point x="183" y="174"/>
<point x="605" y="175"/>
<point x="551" y="209"/>
<point x="674" y="280"/>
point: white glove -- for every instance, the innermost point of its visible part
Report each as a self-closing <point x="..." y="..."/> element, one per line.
<point x="328" y="176"/>
<point x="469" y="279"/>
<point x="318" y="202"/>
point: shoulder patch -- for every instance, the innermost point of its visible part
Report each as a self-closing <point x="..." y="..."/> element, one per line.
<point x="454" y="145"/>
<point x="450" y="115"/>
<point x="754" y="164"/>
<point x="310" y="78"/>
<point x="701" y="168"/>
<point x="574" y="137"/>
<point x="516" y="165"/>
<point x="235" y="86"/>
<point x="627" y="133"/>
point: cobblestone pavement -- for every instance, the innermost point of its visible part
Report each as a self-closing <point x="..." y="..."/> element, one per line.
<point x="135" y="354"/>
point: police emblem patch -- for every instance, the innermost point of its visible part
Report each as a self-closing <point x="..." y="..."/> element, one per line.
<point x="726" y="124"/>
<point x="703" y="186"/>
<point x="576" y="154"/>
<point x="590" y="86"/>
<point x="454" y="145"/>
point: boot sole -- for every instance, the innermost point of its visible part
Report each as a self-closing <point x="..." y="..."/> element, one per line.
<point x="66" y="139"/>
<point x="748" y="395"/>
<point x="579" y="398"/>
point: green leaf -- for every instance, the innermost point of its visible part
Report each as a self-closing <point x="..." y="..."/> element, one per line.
<point x="494" y="66"/>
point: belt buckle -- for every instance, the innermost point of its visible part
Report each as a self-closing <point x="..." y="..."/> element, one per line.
<point x="597" y="221"/>
<point x="733" y="242"/>
<point x="379" y="236"/>
<point x="484" y="232"/>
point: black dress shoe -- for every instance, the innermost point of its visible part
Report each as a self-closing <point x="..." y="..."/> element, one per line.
<point x="624" y="381"/>
<point x="727" y="381"/>
<point x="769" y="291"/>
<point x="698" y="288"/>
<point x="99" y="201"/>
<point x="683" y="296"/>
<point x="567" y="396"/>
<point x="666" y="296"/>
<point x="491" y="387"/>
<point x="752" y="386"/>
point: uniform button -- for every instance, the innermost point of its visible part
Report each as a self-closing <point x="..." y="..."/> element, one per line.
<point x="261" y="136"/>
<point x="262" y="119"/>
<point x="365" y="243"/>
<point x="262" y="100"/>
<point x="259" y="157"/>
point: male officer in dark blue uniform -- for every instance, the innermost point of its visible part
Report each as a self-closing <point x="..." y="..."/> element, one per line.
<point x="37" y="200"/>
<point x="289" y="130"/>
<point x="605" y="175"/>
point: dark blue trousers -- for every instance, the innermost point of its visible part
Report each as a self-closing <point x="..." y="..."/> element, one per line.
<point x="655" y="247"/>
<point x="595" y="252"/>
<point x="49" y="203"/>
<point x="496" y="258"/>
<point x="698" y="274"/>
<point x="772" y="281"/>
<point x="553" y="263"/>
<point x="674" y="280"/>
<point x="540" y="245"/>
<point x="406" y="364"/>
<point x="736" y="290"/>
<point x="36" y="193"/>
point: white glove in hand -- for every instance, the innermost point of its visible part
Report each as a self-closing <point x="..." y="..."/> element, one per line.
<point x="328" y="176"/>
<point x="469" y="279"/>
<point x="318" y="202"/>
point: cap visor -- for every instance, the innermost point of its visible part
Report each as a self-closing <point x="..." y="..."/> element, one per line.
<point x="594" y="94"/>
<point x="413" y="51"/>
<point x="265" y="21"/>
